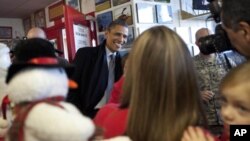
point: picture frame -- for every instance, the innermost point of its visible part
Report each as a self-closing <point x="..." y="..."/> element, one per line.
<point x="101" y="5"/>
<point x="39" y="18"/>
<point x="56" y="11"/>
<point x="164" y="13"/>
<point x="124" y="13"/>
<point x="146" y="9"/>
<point x="119" y="2"/>
<point x="168" y="1"/>
<point x="74" y="3"/>
<point x="5" y="32"/>
<point x="130" y="38"/>
<point x="103" y="20"/>
<point x="27" y="24"/>
<point x="101" y="38"/>
<point x="97" y="2"/>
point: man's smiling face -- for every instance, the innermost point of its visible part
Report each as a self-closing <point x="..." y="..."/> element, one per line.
<point x="116" y="37"/>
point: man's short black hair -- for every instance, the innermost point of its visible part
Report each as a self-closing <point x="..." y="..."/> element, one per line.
<point x="235" y="11"/>
<point x="117" y="22"/>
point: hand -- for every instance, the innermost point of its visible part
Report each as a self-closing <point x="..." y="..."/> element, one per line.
<point x="206" y="95"/>
<point x="196" y="134"/>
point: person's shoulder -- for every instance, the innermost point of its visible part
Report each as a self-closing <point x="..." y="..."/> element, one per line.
<point x="104" y="112"/>
<point x="108" y="108"/>
<point x="111" y="106"/>
<point x="197" y="60"/>
<point x="86" y="49"/>
<point x="196" y="57"/>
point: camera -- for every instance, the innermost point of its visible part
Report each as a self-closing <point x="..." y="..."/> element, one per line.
<point x="219" y="41"/>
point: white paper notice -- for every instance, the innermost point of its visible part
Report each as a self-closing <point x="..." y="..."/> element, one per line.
<point x="82" y="36"/>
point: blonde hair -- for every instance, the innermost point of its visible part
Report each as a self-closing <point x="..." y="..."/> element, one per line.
<point x="163" y="87"/>
<point x="236" y="76"/>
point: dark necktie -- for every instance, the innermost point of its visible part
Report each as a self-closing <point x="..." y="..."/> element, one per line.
<point x="111" y="75"/>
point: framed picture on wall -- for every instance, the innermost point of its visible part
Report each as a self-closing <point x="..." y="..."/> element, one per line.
<point x="56" y="11"/>
<point x="164" y="13"/>
<point x="74" y="3"/>
<point x="130" y="38"/>
<point x="124" y="13"/>
<point x="39" y="17"/>
<point x="146" y="9"/>
<point x="26" y="24"/>
<point x="168" y="1"/>
<point x="118" y="2"/>
<point x="103" y="20"/>
<point x="5" y="32"/>
<point x="101" y="5"/>
<point x="101" y="38"/>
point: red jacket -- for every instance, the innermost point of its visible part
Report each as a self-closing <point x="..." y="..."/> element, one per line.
<point x="112" y="119"/>
<point x="116" y="91"/>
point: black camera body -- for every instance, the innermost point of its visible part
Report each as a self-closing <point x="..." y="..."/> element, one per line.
<point x="219" y="41"/>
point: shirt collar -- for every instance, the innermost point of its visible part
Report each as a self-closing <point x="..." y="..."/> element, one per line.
<point x="108" y="52"/>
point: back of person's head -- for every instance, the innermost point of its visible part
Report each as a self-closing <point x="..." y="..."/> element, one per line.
<point x="163" y="88"/>
<point x="115" y="23"/>
<point x="202" y="32"/>
<point x="36" y="32"/>
<point x="235" y="11"/>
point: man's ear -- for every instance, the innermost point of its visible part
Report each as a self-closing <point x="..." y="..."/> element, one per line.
<point x="106" y="33"/>
<point x="245" y="29"/>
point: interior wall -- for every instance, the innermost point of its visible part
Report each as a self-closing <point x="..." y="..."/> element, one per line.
<point x="16" y="24"/>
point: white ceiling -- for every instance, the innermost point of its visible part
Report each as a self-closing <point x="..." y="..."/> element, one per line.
<point x="21" y="8"/>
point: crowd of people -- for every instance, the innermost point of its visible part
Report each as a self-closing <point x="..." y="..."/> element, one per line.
<point x="156" y="92"/>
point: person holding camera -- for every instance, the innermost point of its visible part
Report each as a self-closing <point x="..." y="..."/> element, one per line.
<point x="235" y="17"/>
<point x="211" y="69"/>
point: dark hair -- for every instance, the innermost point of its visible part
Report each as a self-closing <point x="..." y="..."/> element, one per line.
<point x="234" y="11"/>
<point x="117" y="22"/>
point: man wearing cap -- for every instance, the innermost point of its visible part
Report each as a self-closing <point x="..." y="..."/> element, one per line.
<point x="97" y="68"/>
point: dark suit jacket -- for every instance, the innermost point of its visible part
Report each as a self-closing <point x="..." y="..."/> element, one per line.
<point x="91" y="74"/>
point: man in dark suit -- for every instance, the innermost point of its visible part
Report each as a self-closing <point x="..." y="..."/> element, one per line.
<point x="92" y="70"/>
